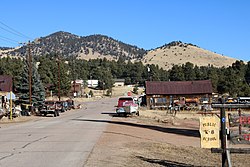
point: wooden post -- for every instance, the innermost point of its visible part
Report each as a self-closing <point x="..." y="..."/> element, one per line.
<point x="239" y="122"/>
<point x="30" y="74"/>
<point x="11" y="114"/>
<point x="223" y="133"/>
<point x="59" y="80"/>
<point x="223" y="137"/>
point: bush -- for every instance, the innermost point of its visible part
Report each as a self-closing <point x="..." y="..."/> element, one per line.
<point x="135" y="90"/>
<point x="91" y="93"/>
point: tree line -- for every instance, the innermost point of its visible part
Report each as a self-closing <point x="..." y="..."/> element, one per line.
<point x="46" y="70"/>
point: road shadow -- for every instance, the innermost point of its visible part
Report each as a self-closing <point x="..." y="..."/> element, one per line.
<point x="114" y="114"/>
<point x="110" y="114"/>
<point x="184" y="132"/>
<point x="164" y="162"/>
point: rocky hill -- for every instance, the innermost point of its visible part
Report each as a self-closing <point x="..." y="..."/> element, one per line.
<point x="100" y="46"/>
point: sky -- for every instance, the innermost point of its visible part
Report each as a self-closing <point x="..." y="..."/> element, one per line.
<point x="221" y="26"/>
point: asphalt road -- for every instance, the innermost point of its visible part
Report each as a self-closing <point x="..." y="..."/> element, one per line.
<point x="64" y="141"/>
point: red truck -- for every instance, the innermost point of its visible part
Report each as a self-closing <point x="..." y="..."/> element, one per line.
<point x="126" y="105"/>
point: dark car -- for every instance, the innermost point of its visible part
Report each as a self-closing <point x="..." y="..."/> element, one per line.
<point x="70" y="104"/>
<point x="60" y="106"/>
<point x="49" y="107"/>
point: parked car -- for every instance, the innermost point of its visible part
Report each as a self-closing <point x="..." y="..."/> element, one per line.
<point x="126" y="105"/>
<point x="60" y="106"/>
<point x="70" y="104"/>
<point x="49" y="107"/>
<point x="65" y="105"/>
<point x="26" y="109"/>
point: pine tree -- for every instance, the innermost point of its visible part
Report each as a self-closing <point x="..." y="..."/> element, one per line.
<point x="37" y="89"/>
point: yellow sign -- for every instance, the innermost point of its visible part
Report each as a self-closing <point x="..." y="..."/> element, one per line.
<point x="209" y="130"/>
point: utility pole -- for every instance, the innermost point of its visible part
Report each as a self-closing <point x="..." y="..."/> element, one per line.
<point x="30" y="73"/>
<point x="59" y="79"/>
<point x="74" y="78"/>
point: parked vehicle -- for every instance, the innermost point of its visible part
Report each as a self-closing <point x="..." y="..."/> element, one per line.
<point x="49" y="107"/>
<point x="26" y="109"/>
<point x="60" y="107"/>
<point x="126" y="106"/>
<point x="65" y="105"/>
<point x="244" y="100"/>
<point x="70" y="104"/>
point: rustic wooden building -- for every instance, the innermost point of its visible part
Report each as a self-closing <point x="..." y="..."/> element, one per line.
<point x="161" y="94"/>
<point x="5" y="83"/>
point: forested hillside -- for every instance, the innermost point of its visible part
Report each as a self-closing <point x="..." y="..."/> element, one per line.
<point x="233" y="80"/>
<point x="68" y="44"/>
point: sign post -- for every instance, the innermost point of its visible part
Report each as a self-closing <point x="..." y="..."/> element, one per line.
<point x="223" y="135"/>
<point x="225" y="152"/>
<point x="11" y="96"/>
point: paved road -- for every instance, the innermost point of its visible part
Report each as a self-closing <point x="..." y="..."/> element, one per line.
<point x="64" y="141"/>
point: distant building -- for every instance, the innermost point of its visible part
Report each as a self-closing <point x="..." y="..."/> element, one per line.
<point x="76" y="88"/>
<point x="119" y="82"/>
<point x="163" y="94"/>
<point x="92" y="83"/>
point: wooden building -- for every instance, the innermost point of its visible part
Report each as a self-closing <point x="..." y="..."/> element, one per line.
<point x="5" y="83"/>
<point x="161" y="94"/>
<point x="5" y="87"/>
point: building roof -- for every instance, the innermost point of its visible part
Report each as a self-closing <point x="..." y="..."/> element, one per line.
<point x="178" y="87"/>
<point x="5" y="83"/>
<point x="119" y="80"/>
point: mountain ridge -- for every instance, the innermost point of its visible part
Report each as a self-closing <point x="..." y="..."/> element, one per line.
<point x="100" y="46"/>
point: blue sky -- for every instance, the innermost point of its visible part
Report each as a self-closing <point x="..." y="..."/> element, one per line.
<point x="222" y="26"/>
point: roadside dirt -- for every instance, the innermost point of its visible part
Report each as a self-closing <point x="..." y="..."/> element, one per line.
<point x="155" y="139"/>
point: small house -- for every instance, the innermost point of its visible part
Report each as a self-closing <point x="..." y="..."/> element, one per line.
<point x="119" y="82"/>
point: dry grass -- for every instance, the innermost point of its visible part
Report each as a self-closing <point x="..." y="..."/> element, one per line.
<point x="176" y="55"/>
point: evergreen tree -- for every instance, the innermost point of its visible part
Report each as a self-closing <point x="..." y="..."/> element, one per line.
<point x="37" y="89"/>
<point x="247" y="74"/>
<point x="213" y="76"/>
<point x="189" y="72"/>
<point x="176" y="73"/>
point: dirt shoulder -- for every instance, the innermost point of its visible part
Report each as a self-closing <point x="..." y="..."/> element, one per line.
<point x="155" y="139"/>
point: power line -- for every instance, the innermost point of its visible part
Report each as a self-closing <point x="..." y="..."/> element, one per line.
<point x="13" y="31"/>
<point x="8" y="40"/>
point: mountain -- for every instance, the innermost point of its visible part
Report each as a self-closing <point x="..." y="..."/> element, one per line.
<point x="93" y="46"/>
<point x="178" y="53"/>
<point x="100" y="46"/>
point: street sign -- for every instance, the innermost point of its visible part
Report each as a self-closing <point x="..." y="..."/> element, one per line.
<point x="209" y="130"/>
<point x="13" y="96"/>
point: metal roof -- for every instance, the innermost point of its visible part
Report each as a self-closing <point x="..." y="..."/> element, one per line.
<point x="5" y="83"/>
<point x="178" y="87"/>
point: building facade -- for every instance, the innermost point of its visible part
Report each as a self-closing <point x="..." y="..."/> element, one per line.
<point x="161" y="94"/>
